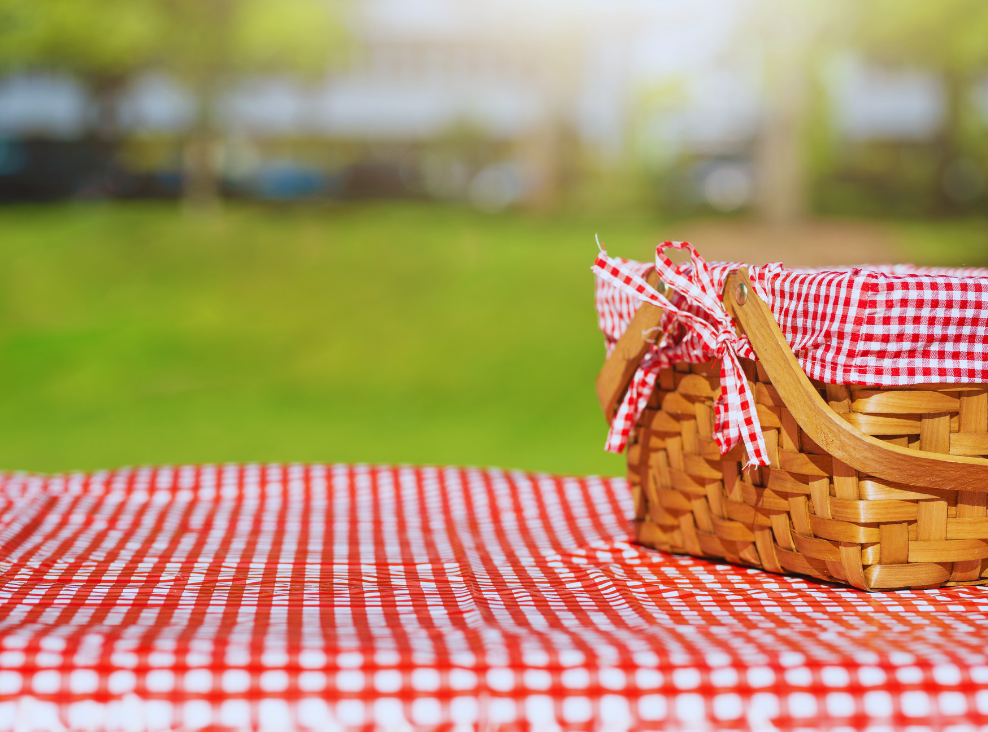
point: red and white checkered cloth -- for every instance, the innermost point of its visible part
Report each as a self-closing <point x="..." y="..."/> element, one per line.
<point x="885" y="325"/>
<point x="336" y="597"/>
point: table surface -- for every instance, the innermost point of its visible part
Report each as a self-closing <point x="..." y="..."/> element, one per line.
<point x="353" y="596"/>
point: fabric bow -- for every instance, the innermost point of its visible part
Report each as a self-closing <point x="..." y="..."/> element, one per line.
<point x="735" y="416"/>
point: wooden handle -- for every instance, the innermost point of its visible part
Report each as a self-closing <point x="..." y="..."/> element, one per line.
<point x="620" y="366"/>
<point x="867" y="454"/>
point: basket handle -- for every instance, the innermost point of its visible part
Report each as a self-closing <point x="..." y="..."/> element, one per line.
<point x="846" y="443"/>
<point x="620" y="366"/>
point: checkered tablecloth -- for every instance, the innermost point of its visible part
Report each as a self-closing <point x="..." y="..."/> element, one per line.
<point x="337" y="597"/>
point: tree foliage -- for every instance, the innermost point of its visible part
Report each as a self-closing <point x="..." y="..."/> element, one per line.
<point x="201" y="41"/>
<point x="948" y="38"/>
<point x="94" y="39"/>
<point x="204" y="43"/>
<point x="208" y="41"/>
<point x="947" y="35"/>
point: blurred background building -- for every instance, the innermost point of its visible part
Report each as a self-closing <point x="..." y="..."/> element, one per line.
<point x="720" y="106"/>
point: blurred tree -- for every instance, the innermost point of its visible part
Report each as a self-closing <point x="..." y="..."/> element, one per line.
<point x="948" y="37"/>
<point x="791" y="40"/>
<point x="207" y="44"/>
<point x="100" y="41"/>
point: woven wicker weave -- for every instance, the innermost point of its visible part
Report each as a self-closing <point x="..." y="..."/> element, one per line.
<point x="889" y="521"/>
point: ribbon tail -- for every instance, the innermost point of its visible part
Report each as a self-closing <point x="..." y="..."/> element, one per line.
<point x="630" y="283"/>
<point x="736" y="416"/>
<point x="635" y="400"/>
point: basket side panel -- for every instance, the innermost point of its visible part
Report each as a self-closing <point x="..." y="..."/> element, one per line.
<point x="691" y="501"/>
<point x="808" y="513"/>
<point x="937" y="536"/>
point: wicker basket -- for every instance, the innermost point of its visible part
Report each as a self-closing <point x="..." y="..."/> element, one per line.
<point x="878" y="488"/>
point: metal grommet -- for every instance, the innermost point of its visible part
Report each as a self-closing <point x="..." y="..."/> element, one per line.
<point x="741" y="293"/>
<point x="663" y="289"/>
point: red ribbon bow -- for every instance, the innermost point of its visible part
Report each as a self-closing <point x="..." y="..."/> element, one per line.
<point x="735" y="417"/>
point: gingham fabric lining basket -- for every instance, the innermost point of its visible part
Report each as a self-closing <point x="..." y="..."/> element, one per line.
<point x="873" y="477"/>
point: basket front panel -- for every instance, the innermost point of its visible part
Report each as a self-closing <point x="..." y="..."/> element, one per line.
<point x="809" y="513"/>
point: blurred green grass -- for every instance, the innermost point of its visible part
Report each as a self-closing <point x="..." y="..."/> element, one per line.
<point x="136" y="334"/>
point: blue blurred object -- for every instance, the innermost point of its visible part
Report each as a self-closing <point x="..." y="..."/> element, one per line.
<point x="287" y="181"/>
<point x="169" y="182"/>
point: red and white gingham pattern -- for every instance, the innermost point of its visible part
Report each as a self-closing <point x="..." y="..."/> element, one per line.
<point x="615" y="307"/>
<point x="869" y="327"/>
<point x="886" y="325"/>
<point x="343" y="597"/>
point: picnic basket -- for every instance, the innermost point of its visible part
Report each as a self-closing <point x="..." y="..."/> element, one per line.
<point x="876" y="487"/>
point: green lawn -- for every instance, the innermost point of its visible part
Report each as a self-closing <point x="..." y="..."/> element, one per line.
<point x="136" y="334"/>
